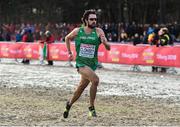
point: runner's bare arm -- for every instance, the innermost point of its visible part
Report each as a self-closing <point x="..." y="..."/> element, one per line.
<point x="69" y="38"/>
<point x="103" y="38"/>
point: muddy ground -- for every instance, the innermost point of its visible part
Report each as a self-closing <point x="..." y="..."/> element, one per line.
<point x="36" y="95"/>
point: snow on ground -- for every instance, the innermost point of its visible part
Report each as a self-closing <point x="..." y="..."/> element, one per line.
<point x="114" y="79"/>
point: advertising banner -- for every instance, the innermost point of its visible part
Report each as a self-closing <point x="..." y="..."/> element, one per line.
<point x="119" y="53"/>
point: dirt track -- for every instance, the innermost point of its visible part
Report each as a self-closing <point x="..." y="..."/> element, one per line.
<point x="36" y="95"/>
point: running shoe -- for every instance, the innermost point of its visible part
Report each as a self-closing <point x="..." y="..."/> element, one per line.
<point x="92" y="112"/>
<point x="66" y="112"/>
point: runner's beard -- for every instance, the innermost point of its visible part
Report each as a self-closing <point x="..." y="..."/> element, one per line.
<point x="93" y="25"/>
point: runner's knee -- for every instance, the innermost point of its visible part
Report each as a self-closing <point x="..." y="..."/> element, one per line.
<point x="95" y="81"/>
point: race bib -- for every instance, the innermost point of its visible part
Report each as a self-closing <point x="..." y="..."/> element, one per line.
<point x="87" y="50"/>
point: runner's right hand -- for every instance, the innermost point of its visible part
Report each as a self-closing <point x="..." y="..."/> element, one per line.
<point x="70" y="57"/>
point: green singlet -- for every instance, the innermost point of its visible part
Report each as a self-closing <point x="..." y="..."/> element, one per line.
<point x="87" y="48"/>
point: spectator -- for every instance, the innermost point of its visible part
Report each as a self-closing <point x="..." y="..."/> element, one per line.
<point x="27" y="37"/>
<point x="49" y="39"/>
<point x="1" y="36"/>
<point x="149" y="31"/>
<point x="123" y="37"/>
<point x="136" y="39"/>
<point x="164" y="39"/>
<point x="153" y="40"/>
<point x="18" y="36"/>
<point x="8" y="35"/>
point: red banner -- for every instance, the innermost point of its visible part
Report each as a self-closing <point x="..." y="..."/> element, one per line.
<point x="119" y="53"/>
<point x="59" y="51"/>
<point x="168" y="56"/>
<point x="19" y="50"/>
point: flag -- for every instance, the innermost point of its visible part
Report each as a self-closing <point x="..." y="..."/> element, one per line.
<point x="45" y="51"/>
<point x="42" y="52"/>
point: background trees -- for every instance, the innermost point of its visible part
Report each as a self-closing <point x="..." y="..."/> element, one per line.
<point x="141" y="11"/>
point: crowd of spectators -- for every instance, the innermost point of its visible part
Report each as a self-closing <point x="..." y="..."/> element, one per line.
<point x="124" y="32"/>
<point x="117" y="33"/>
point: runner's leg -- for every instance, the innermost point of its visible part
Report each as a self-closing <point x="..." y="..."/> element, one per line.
<point x="82" y="85"/>
<point x="91" y="76"/>
<point x="87" y="75"/>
